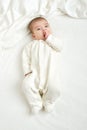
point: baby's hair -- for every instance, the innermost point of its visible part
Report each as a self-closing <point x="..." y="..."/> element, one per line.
<point x="34" y="20"/>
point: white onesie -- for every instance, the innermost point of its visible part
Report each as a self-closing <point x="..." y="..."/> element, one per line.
<point x="41" y="59"/>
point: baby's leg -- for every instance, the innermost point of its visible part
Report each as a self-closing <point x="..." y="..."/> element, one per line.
<point x="50" y="98"/>
<point x="32" y="95"/>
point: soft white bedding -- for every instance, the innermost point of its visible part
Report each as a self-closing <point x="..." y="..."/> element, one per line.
<point x="71" y="110"/>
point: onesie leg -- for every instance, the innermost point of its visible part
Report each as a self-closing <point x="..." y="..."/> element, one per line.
<point x="50" y="98"/>
<point x="32" y="95"/>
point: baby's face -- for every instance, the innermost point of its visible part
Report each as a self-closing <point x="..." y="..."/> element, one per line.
<point x="40" y="29"/>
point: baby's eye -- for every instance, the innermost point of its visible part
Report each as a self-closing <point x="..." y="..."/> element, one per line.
<point x="38" y="29"/>
<point x="46" y="26"/>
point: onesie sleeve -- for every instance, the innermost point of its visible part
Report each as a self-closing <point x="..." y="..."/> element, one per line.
<point x="26" y="59"/>
<point x="54" y="43"/>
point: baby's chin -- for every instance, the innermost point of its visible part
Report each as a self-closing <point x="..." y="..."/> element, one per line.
<point x="42" y="38"/>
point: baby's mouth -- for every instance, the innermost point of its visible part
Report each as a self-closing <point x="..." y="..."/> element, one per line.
<point x="44" y="35"/>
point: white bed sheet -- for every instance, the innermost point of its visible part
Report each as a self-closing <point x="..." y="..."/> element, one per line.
<point x="71" y="110"/>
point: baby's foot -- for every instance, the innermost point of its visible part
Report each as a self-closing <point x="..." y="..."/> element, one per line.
<point x="35" y="110"/>
<point x="49" y="107"/>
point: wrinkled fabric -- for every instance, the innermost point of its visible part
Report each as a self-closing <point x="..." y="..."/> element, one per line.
<point x="16" y="14"/>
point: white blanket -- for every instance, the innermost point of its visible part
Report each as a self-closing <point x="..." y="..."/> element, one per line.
<point x="15" y="15"/>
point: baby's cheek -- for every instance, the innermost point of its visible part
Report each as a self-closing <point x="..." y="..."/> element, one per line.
<point x="41" y="36"/>
<point x="49" y="32"/>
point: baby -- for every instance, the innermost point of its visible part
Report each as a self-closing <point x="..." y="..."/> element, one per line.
<point x="39" y="59"/>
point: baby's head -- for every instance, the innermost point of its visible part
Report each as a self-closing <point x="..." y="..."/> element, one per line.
<point x="39" y="28"/>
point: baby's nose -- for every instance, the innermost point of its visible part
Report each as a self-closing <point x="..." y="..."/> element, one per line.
<point x="44" y="30"/>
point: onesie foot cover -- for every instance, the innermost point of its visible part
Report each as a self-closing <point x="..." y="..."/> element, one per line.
<point x="49" y="107"/>
<point x="35" y="110"/>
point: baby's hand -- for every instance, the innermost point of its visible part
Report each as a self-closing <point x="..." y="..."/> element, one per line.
<point x="46" y="34"/>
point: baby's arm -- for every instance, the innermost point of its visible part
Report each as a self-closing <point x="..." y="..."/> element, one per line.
<point x="26" y="60"/>
<point x="55" y="43"/>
